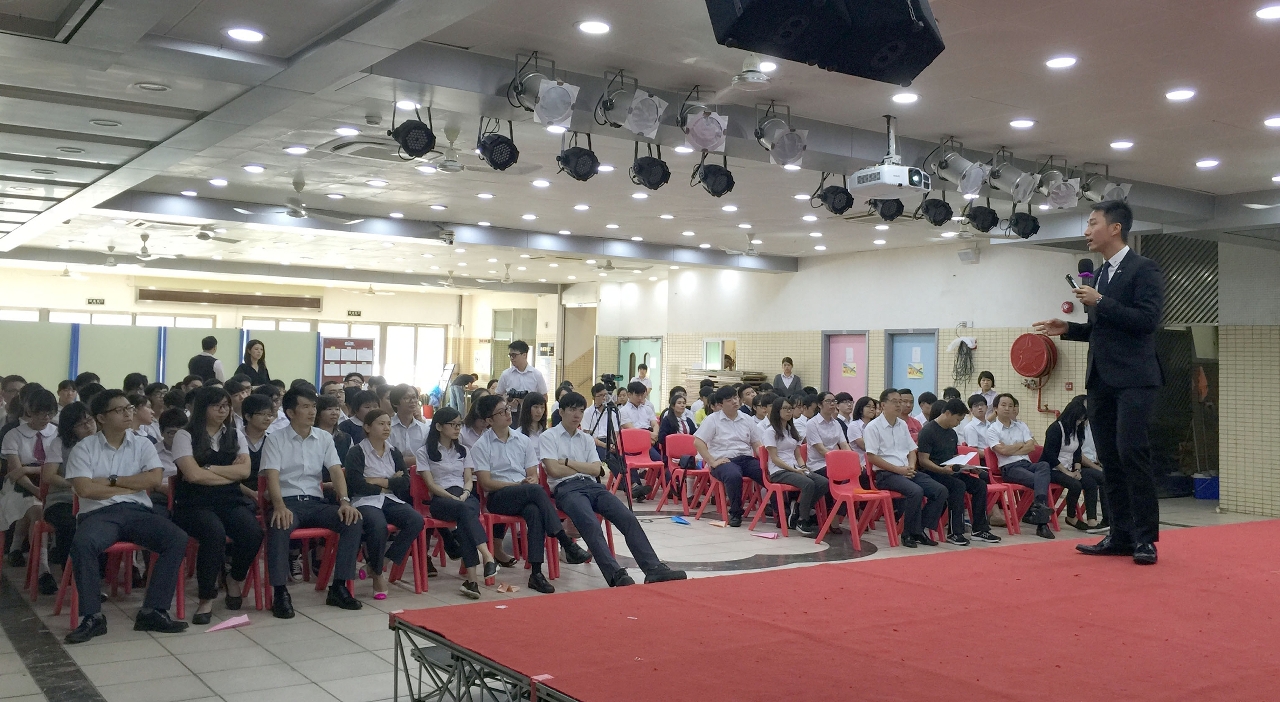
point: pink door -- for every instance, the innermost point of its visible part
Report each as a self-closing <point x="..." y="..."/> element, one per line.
<point x="847" y="364"/>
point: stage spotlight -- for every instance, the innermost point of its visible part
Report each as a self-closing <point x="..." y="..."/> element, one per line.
<point x="581" y="164"/>
<point x="497" y="150"/>
<point x="415" y="138"/>
<point x="716" y="180"/>
<point x="786" y="146"/>
<point x="984" y="219"/>
<point x="837" y="199"/>
<point x="889" y="210"/>
<point x="1098" y="189"/>
<point x="937" y="212"/>
<point x="1024" y="224"/>
<point x="967" y="176"/>
<point x="649" y="171"/>
<point x="1009" y="178"/>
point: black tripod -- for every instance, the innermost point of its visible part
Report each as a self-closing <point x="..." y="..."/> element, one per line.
<point x="612" y="447"/>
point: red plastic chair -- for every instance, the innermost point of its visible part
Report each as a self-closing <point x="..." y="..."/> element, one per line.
<point x="678" y="446"/>
<point x="519" y="533"/>
<point x="307" y="536"/>
<point x="843" y="469"/>
<point x="634" y="444"/>
<point x="998" y="494"/>
<point x="608" y="527"/>
<point x="36" y="538"/>
<point x="772" y="491"/>
<point x="1023" y="496"/>
<point x="421" y="498"/>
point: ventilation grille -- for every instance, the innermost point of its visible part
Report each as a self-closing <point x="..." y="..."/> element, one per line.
<point x="1190" y="269"/>
<point x="195" y="297"/>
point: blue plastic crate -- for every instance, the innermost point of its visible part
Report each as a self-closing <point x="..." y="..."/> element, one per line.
<point x="1206" y="488"/>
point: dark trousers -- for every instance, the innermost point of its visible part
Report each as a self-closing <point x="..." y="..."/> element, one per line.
<point x="313" y="513"/>
<point x="212" y="526"/>
<point x="923" y="499"/>
<point x="533" y="504"/>
<point x="732" y="474"/>
<point x="812" y="486"/>
<point x="403" y="517"/>
<point x="466" y="514"/>
<point x="1091" y="479"/>
<point x="60" y="516"/>
<point x="582" y="499"/>
<point x="1119" y="419"/>
<point x="1028" y="474"/>
<point x="958" y="485"/>
<point x="126" y="521"/>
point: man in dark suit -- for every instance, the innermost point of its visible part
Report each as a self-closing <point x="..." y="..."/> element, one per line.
<point x="1124" y="374"/>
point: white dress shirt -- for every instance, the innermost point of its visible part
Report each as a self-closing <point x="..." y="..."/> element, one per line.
<point x="638" y="416"/>
<point x="376" y="466"/>
<point x="558" y="445"/>
<point x="408" y="439"/>
<point x="182" y="443"/>
<point x="1088" y="450"/>
<point x="21" y="442"/>
<point x="856" y="430"/>
<point x="93" y="457"/>
<point x="826" y="432"/>
<point x="893" y="442"/>
<point x="802" y="425"/>
<point x="1115" y="262"/>
<point x="447" y="472"/>
<point x="299" y="460"/>
<point x="218" y="372"/>
<point x="975" y="434"/>
<point x="530" y="379"/>
<point x="786" y="446"/>
<point x="1015" y="433"/>
<point x="729" y="438"/>
<point x="593" y="421"/>
<point x="508" y="461"/>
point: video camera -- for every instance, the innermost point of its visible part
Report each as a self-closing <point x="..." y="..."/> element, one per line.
<point x="516" y="395"/>
<point x="610" y="382"/>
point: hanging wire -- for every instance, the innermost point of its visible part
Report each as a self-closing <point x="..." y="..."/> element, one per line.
<point x="962" y="369"/>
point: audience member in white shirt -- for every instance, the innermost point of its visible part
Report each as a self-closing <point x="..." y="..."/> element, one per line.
<point x="865" y="410"/>
<point x="638" y="414"/>
<point x="521" y="375"/>
<point x="974" y="432"/>
<point x="925" y="403"/>
<point x="642" y="377"/>
<point x="805" y="407"/>
<point x="533" y="418"/>
<point x="824" y="433"/>
<point x="892" y="453"/>
<point x="26" y="449"/>
<point x="987" y="388"/>
<point x="727" y="441"/>
<point x="785" y="467"/>
<point x="1012" y="443"/>
<point x="844" y="411"/>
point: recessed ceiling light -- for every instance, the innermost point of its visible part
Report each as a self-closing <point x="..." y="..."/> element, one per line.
<point x="541" y="183"/>
<point x="882" y="227"/>
<point x="1122" y="145"/>
<point x="375" y="183"/>
<point x="525" y="256"/>
<point x="565" y="232"/>
<point x="152" y="87"/>
<point x="582" y="208"/>
<point x="459" y="250"/>
<point x="801" y="196"/>
<point x="44" y="171"/>
<point x="610" y="226"/>
<point x="757" y="241"/>
<point x="675" y="268"/>
<point x="104" y="123"/>
<point x="948" y="235"/>
<point x="1043" y="206"/>
<point x="407" y="105"/>
<point x="768" y="66"/>
<point x="704" y="246"/>
<point x="493" y="260"/>
<point x="482" y="224"/>
<point x="666" y="216"/>
<point x="682" y="149"/>
<point x="905" y="98"/>
<point x="744" y="225"/>
<point x="573" y="277"/>
<point x="70" y="149"/>
<point x="1206" y="163"/>
<point x="791" y="167"/>
<point x="529" y="217"/>
<point x="637" y="238"/>
<point x="542" y="280"/>
<point x="253" y="168"/>
<point x="189" y="193"/>
<point x="1022" y="123"/>
<point x="462" y="265"/>
<point x="296" y="150"/>
<point x="605" y="168"/>
<point x="815" y="234"/>
<point x="335" y="196"/>
<point x="427" y="255"/>
<point x="218" y="182"/>
<point x="427" y="169"/>
<point x="1061" y="62"/>
<point x="1269" y="13"/>
<point x="639" y="196"/>
<point x="810" y="218"/>
<point x="435" y="268"/>
<point x="593" y="27"/>
<point x="604" y="275"/>
<point x="216" y="257"/>
<point x="485" y="196"/>
<point x="439" y="207"/>
<point x="730" y="208"/>
<point x="653" y="277"/>
<point x="553" y="265"/>
<point x="879" y="242"/>
<point x="1272" y="122"/>
<point x="590" y="261"/>
<point x="1275" y="179"/>
<point x="556" y="129"/>
<point x="1180" y="94"/>
<point x="252" y="36"/>
<point x="687" y="233"/>
<point x="819" y="247"/>
<point x="219" y="230"/>
<point x="635" y="270"/>
<point x="346" y="131"/>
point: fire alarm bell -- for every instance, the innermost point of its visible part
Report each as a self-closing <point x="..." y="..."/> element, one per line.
<point x="1068" y="307"/>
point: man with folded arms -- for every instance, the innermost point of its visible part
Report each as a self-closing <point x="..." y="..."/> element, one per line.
<point x="892" y="453"/>
<point x="1013" y="444"/>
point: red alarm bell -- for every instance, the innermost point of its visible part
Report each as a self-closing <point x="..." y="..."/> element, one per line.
<point x="1068" y="307"/>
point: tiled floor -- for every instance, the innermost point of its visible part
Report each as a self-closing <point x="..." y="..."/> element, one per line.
<point x="331" y="654"/>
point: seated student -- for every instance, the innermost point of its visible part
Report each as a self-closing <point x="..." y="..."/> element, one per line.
<point x="361" y="402"/>
<point x="785" y="467"/>
<point x="237" y="391"/>
<point x="334" y="389"/>
<point x="563" y="388"/>
<point x="892" y="454"/>
<point x="806" y="407"/>
<point x="134" y="383"/>
<point x="277" y="396"/>
<point x="112" y="472"/>
<point x="90" y="391"/>
<point x="353" y="380"/>
<point x="728" y="441"/>
<point x="926" y="403"/>
<point x="674" y="419"/>
<point x="533" y="417"/>
<point x="824" y="432"/>
<point x="844" y="410"/>
<point x="383" y="392"/>
<point x="378" y="482"/>
<point x="638" y="414"/>
<point x="442" y="465"/>
<point x="155" y="393"/>
<point x="761" y="407"/>
<point x="974" y="431"/>
<point x="746" y="398"/>
<point x="67" y="393"/>
<point x="212" y="458"/>
<point x="75" y="423"/>
<point x="950" y="393"/>
<point x="84" y="379"/>
<point x="864" y="410"/>
<point x="258" y="417"/>
<point x="1012" y="442"/>
<point x="702" y="403"/>
<point x="191" y="383"/>
<point x="1063" y="449"/>
<point x="593" y="420"/>
<point x="408" y="432"/>
<point x="573" y="476"/>
<point x="174" y="398"/>
<point x="939" y="444"/>
<point x="143" y="424"/>
<point x="908" y="404"/>
<point x="293" y="459"/>
<point x="327" y="413"/>
<point x="26" y="450"/>
<point x="171" y="421"/>
<point x="507" y="468"/>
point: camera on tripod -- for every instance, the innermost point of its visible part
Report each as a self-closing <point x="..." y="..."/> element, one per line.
<point x="610" y="382"/>
<point x="516" y="395"/>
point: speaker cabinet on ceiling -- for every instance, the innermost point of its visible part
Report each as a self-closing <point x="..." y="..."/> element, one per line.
<point x="890" y="41"/>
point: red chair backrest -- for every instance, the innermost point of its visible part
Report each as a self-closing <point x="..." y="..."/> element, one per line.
<point x="843" y="466"/>
<point x="680" y="445"/>
<point x="173" y="481"/>
<point x="427" y="412"/>
<point x="762" y="455"/>
<point x="803" y="451"/>
<point x="965" y="449"/>
<point x="262" y="493"/>
<point x="634" y="442"/>
<point x="418" y="491"/>
<point x="993" y="463"/>
<point x="1034" y="456"/>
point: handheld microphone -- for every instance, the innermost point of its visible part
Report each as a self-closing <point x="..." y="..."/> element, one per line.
<point x="1085" y="268"/>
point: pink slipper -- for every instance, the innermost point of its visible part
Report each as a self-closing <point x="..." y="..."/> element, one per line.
<point x="379" y="595"/>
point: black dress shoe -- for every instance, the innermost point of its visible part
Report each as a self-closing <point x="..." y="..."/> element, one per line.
<point x="158" y="620"/>
<point x="1144" y="554"/>
<point x="339" y="596"/>
<point x="664" y="574"/>
<point x="202" y="618"/>
<point x="1106" y="547"/>
<point x="909" y="541"/>
<point x="431" y="570"/>
<point x="539" y="582"/>
<point x="48" y="585"/>
<point x="91" y="626"/>
<point x="1044" y="532"/>
<point x="620" y="578"/>
<point x="735" y="521"/>
<point x="233" y="603"/>
<point x="575" y="554"/>
<point x="282" y="606"/>
<point x="490" y="569"/>
<point x="924" y="540"/>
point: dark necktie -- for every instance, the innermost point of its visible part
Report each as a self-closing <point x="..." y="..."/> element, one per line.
<point x="37" y="450"/>
<point x="1104" y="274"/>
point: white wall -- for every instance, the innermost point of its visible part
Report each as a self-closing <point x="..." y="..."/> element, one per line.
<point x="888" y="289"/>
<point x="1248" y="287"/>
<point x="633" y="309"/>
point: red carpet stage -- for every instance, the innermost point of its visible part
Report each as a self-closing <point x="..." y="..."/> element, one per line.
<point x="1013" y="623"/>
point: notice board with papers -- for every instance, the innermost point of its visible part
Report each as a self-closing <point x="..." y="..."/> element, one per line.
<point x="342" y="356"/>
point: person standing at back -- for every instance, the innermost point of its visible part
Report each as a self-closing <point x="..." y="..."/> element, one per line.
<point x="205" y="364"/>
<point x="521" y="375"/>
<point x="254" y="364"/>
<point x="1123" y="378"/>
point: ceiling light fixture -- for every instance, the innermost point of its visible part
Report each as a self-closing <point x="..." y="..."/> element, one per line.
<point x="744" y="225"/>
<point x="637" y="238"/>
<point x="593" y="27"/>
<point x="666" y="216"/>
<point x="949" y="235"/>
<point x="757" y="242"/>
<point x="498" y="150"/>
<point x="984" y="219"/>
<point x="152" y="87"/>
<point x="218" y="182"/>
<point x="810" y="218"/>
<point x="768" y="66"/>
<point x="189" y="193"/>
<point x="582" y="208"/>
<point x="819" y="247"/>
<point x="346" y="131"/>
<point x="1061" y="62"/>
<point x="610" y="226"/>
<point x="605" y="168"/>
<point x="729" y="208"/>
<point x="687" y="233"/>
<point x="1024" y="224"/>
<point x="1268" y="13"/>
<point x="836" y="198"/>
<point x="396" y="215"/>
<point x="335" y="196"/>
<point x="564" y="232"/>
<point x="426" y="169"/>
<point x="556" y="129"/>
<point x="1271" y="122"/>
<point x="682" y="149"/>
<point x="482" y="224"/>
<point x="1022" y="123"/>
<point x="937" y="212"/>
<point x="253" y="168"/>
<point x="888" y="210"/>
<point x="553" y="265"/>
<point x="1121" y="145"/>
<point x="791" y="167"/>
<point x="882" y="227"/>
<point x="439" y="207"/>
<point x="493" y="260"/>
<point x="879" y="242"/>
<point x="244" y="34"/>
<point x="704" y="246"/>
<point x="459" y="250"/>
<point x="414" y="138"/>
<point x="525" y="256"/>
<point x="376" y="183"/>
<point x="1180" y="94"/>
<point x="541" y="183"/>
<point x="485" y="196"/>
<point x="639" y="196"/>
<point x="104" y="123"/>
<point x="581" y="164"/>
<point x="590" y="261"/>
<point x="649" y="171"/>
<point x="800" y="196"/>
<point x="1206" y="163"/>
<point x="296" y="150"/>
<point x="529" y="217"/>
<point x="407" y="105"/>
<point x="716" y="180"/>
<point x="905" y="98"/>
<point x="815" y="234"/>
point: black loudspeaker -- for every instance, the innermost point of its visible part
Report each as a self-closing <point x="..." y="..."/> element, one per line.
<point x="890" y="41"/>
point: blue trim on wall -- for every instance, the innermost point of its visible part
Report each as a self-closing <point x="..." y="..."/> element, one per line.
<point x="162" y="345"/>
<point x="244" y="341"/>
<point x="73" y="368"/>
<point x="319" y="359"/>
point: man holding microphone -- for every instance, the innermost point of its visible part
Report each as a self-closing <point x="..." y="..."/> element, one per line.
<point x="1124" y="374"/>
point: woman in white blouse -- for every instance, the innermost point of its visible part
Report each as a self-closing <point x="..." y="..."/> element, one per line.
<point x="26" y="448"/>
<point x="453" y="499"/>
<point x="785" y="467"/>
<point x="864" y="411"/>
<point x="378" y="483"/>
<point x="533" y="417"/>
<point x="473" y="425"/>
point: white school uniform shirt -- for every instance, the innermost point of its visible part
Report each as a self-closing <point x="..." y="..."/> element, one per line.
<point x="787" y="448"/>
<point x="594" y="422"/>
<point x="825" y="432"/>
<point x="1088" y="450"/>
<point x="447" y="472"/>
<point x="1015" y="433"/>
<point x="990" y="396"/>
<point x="646" y="381"/>
<point x="167" y="460"/>
<point x="507" y="460"/>
<point x="639" y="417"/>
<point x="975" y="434"/>
<point x="536" y="439"/>
<point x="93" y="457"/>
<point x="729" y="438"/>
<point x="697" y="405"/>
<point x="558" y="445"/>
<point x="53" y="454"/>
<point x="1067" y="454"/>
<point x="299" y="460"/>
<point x="856" y="430"/>
<point x="892" y="443"/>
<point x="182" y="444"/>
<point x="848" y="422"/>
<point x="802" y="425"/>
<point x="408" y="439"/>
<point x="468" y="437"/>
<point x="153" y="429"/>
<point x="376" y="466"/>
<point x="530" y="379"/>
<point x="281" y="422"/>
<point x="21" y="442"/>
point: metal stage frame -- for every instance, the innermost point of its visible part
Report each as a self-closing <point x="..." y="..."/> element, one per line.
<point x="435" y="669"/>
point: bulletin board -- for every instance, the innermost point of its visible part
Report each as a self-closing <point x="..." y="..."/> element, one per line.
<point x="342" y="356"/>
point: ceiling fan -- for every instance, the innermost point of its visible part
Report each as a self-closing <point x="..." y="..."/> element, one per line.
<point x="211" y="234"/>
<point x="144" y="254"/>
<point x="448" y="283"/>
<point x="294" y="207"/>
<point x="370" y="291"/>
<point x="749" y="251"/>
<point x="749" y="80"/>
<point x="66" y="273"/>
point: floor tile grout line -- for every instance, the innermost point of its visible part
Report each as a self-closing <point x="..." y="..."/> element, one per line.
<point x="57" y="675"/>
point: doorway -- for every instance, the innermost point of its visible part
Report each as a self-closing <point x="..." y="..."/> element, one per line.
<point x="633" y="352"/>
<point x="509" y="325"/>
<point x="911" y="360"/>
<point x="844" y="363"/>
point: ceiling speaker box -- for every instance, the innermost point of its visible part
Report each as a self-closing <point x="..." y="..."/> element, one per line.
<point x="890" y="41"/>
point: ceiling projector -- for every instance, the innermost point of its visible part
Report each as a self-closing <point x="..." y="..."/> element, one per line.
<point x="888" y="181"/>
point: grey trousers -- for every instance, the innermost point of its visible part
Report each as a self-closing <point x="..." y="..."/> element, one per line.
<point x="313" y="513"/>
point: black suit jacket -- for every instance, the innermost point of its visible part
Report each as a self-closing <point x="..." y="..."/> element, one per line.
<point x="1122" y="326"/>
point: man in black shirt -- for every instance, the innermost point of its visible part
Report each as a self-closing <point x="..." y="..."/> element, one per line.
<point x="938" y="444"/>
